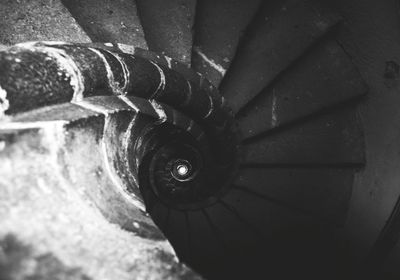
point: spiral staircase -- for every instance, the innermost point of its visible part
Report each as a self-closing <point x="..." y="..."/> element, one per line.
<point x="236" y="125"/>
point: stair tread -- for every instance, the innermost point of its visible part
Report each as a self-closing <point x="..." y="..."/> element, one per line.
<point x="330" y="139"/>
<point x="271" y="47"/>
<point x="168" y="26"/>
<point x="240" y="245"/>
<point x="114" y="21"/>
<point x="267" y="217"/>
<point x="40" y="20"/>
<point x="218" y="28"/>
<point x="323" y="78"/>
<point x="290" y="239"/>
<point x="237" y="232"/>
<point x="205" y="243"/>
<point x="177" y="233"/>
<point x="323" y="193"/>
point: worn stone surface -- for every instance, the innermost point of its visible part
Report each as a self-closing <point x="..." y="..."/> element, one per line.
<point x="78" y="72"/>
<point x="114" y="21"/>
<point x="219" y="27"/>
<point x="26" y="20"/>
<point x="325" y="193"/>
<point x="18" y="261"/>
<point x="334" y="139"/>
<point x="272" y="46"/>
<point x="36" y="73"/>
<point x="52" y="73"/>
<point x="168" y="26"/>
<point x="318" y="81"/>
<point x="52" y="227"/>
<point x="371" y="37"/>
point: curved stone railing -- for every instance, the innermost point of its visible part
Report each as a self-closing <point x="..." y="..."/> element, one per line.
<point x="153" y="126"/>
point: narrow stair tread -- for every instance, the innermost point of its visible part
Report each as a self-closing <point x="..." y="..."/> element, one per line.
<point x="324" y="78"/>
<point x="330" y="139"/>
<point x="113" y="21"/>
<point x="272" y="47"/>
<point x="218" y="28"/>
<point x="322" y="193"/>
<point x="41" y="20"/>
<point x="168" y="26"/>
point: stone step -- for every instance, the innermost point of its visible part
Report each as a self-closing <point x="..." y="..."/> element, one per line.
<point x="41" y="20"/>
<point x="271" y="47"/>
<point x="218" y="28"/>
<point x="320" y="80"/>
<point x="334" y="139"/>
<point x="168" y="26"/>
<point x="114" y="21"/>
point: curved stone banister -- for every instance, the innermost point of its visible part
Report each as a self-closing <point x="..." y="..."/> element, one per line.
<point x="39" y="78"/>
<point x="37" y="74"/>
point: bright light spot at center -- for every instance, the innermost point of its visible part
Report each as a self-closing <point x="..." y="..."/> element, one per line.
<point x="182" y="170"/>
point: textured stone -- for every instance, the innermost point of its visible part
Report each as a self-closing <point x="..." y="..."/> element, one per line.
<point x="218" y="30"/>
<point x="272" y="46"/>
<point x="322" y="193"/>
<point x="334" y="139"/>
<point x="168" y="26"/>
<point x="114" y="21"/>
<point x="51" y="226"/>
<point x="25" y="20"/>
<point x="320" y="80"/>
